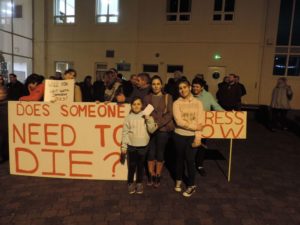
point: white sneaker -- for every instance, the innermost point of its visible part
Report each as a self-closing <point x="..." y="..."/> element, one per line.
<point x="178" y="186"/>
<point x="189" y="191"/>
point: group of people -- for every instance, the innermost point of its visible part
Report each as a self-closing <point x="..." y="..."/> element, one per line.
<point x="177" y="117"/>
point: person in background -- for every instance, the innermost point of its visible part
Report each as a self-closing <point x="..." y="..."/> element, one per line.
<point x="36" y="87"/>
<point x="3" y="124"/>
<point x="70" y="74"/>
<point x="282" y="94"/>
<point x="86" y="88"/>
<point x="201" y="76"/>
<point x="113" y="87"/>
<point x="135" y="139"/>
<point x="143" y="88"/>
<point x="58" y="76"/>
<point x="2" y="81"/>
<point x="172" y="86"/>
<point x="15" y="89"/>
<point x="189" y="116"/>
<point x="224" y="82"/>
<point x="163" y="116"/>
<point x="98" y="89"/>
<point x="209" y="104"/>
<point x="229" y="95"/>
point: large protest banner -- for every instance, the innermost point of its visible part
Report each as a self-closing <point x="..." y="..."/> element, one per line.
<point x="82" y="140"/>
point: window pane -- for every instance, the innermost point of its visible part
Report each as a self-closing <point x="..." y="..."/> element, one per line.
<point x="5" y="42"/>
<point x="102" y="19"/>
<point x="60" y="7"/>
<point x="173" y="68"/>
<point x="218" y="5"/>
<point x="70" y="19"/>
<point x="184" y="17"/>
<point x="294" y="65"/>
<point x="229" y="6"/>
<point x="70" y="4"/>
<point x="22" y="67"/>
<point x="150" y="68"/>
<point x="22" y="46"/>
<point x="296" y="25"/>
<point x="171" y="17"/>
<point x="228" y="17"/>
<point x="284" y="23"/>
<point x="114" y="7"/>
<point x="103" y="7"/>
<point x="279" y="65"/>
<point x="123" y="66"/>
<point x="217" y="17"/>
<point x="172" y="5"/>
<point x="6" y="12"/>
<point x="23" y="23"/>
<point x="5" y="64"/>
<point x="113" y="19"/>
<point x="185" y="5"/>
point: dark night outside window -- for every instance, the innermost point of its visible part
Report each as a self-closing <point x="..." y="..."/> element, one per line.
<point x="178" y="10"/>
<point x="229" y="6"/>
<point x="279" y="65"/>
<point x="224" y="10"/>
<point x="217" y="17"/>
<point x="123" y="66"/>
<point x="296" y="25"/>
<point x="150" y="68"/>
<point x="284" y="24"/>
<point x="173" y="68"/>
<point x="218" y="5"/>
<point x="294" y="65"/>
<point x="228" y="17"/>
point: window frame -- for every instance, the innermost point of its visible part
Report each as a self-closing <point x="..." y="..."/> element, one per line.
<point x="224" y="13"/>
<point x="63" y="17"/>
<point x="288" y="50"/>
<point x="107" y="15"/>
<point x="178" y="14"/>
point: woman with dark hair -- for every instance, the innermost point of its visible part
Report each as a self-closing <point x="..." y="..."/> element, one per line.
<point x="163" y="116"/>
<point x="189" y="117"/>
<point x="35" y="86"/>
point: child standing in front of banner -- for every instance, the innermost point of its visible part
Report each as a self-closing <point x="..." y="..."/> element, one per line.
<point x="135" y="139"/>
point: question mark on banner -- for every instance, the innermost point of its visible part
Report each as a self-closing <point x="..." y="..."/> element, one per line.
<point x="115" y="163"/>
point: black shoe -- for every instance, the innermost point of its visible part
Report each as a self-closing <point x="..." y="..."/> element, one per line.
<point x="201" y="171"/>
<point x="157" y="181"/>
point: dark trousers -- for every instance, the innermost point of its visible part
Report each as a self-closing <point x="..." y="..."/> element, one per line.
<point x="185" y="154"/>
<point x="136" y="160"/>
<point x="279" y="118"/>
<point x="157" y="146"/>
<point x="200" y="154"/>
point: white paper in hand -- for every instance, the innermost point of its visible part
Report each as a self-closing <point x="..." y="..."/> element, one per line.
<point x="148" y="110"/>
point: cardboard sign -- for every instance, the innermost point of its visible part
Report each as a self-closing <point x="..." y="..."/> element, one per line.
<point x="82" y="140"/>
<point x="67" y="140"/>
<point x="59" y="91"/>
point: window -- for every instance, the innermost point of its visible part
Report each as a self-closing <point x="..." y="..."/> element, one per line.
<point x="107" y="11"/>
<point x="64" y="11"/>
<point x="150" y="68"/>
<point x="287" y="50"/>
<point x="63" y="66"/>
<point x="100" y="69"/>
<point x="179" y="10"/>
<point x="16" y="38"/>
<point x="224" y="10"/>
<point x="123" y="66"/>
<point x="173" y="68"/>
